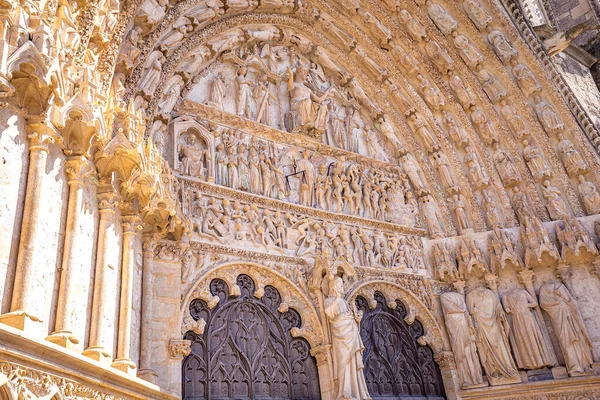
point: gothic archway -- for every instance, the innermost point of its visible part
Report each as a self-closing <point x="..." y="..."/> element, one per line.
<point x="247" y="350"/>
<point x="396" y="365"/>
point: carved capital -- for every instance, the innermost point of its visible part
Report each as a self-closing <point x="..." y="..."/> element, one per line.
<point x="77" y="135"/>
<point x="321" y="353"/>
<point x="77" y="167"/>
<point x="195" y="326"/>
<point x="149" y="243"/>
<point x="179" y="348"/>
<point x="107" y="199"/>
<point x="40" y="133"/>
<point x="444" y="358"/>
<point x="131" y="223"/>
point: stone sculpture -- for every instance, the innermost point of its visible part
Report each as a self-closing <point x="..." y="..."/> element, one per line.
<point x="506" y="166"/>
<point x="492" y="331"/>
<point x="536" y="161"/>
<point x="528" y="342"/>
<point x="589" y="194"/>
<point x="462" y="338"/>
<point x="347" y="346"/>
<point x="568" y="325"/>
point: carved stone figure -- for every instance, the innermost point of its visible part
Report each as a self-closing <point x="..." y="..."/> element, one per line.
<point x="458" y="206"/>
<point x="432" y="95"/>
<point x="525" y="78"/>
<point x="522" y="205"/>
<point x="387" y="130"/>
<point x="528" y="343"/>
<point x="431" y="215"/>
<point x="151" y="79"/>
<point x="414" y="27"/>
<point x="506" y="166"/>
<point x="536" y="161"/>
<point x="263" y="99"/>
<point x="419" y="125"/>
<point x="486" y="130"/>
<point x="221" y="161"/>
<point x="469" y="53"/>
<point x="568" y="325"/>
<point x="456" y="132"/>
<point x="476" y="173"/>
<point x="463" y="93"/>
<point x="151" y="12"/>
<point x="217" y="92"/>
<point x="439" y="56"/>
<point x="516" y="124"/>
<point x="477" y="13"/>
<point x="244" y="93"/>
<point x="441" y="18"/>
<point x="158" y="133"/>
<point x="462" y="339"/>
<point x="442" y="165"/>
<point x="570" y="156"/>
<point x="589" y="194"/>
<point x="408" y="63"/>
<point x="492" y="336"/>
<point x="502" y="47"/>
<point x="556" y="205"/>
<point x="491" y="85"/>
<point x="174" y="38"/>
<point x="490" y="208"/>
<point x="412" y="170"/>
<point x="381" y="32"/>
<point x="548" y="116"/>
<point x="307" y="168"/>
<point x="311" y="114"/>
<point x="171" y="92"/>
<point x="347" y="346"/>
<point x="194" y="158"/>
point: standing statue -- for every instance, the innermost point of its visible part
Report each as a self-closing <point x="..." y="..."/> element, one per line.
<point x="243" y="167"/>
<point x="457" y="204"/>
<point x="442" y="18"/>
<point x="568" y="325"/>
<point x="309" y="111"/>
<point x="551" y="121"/>
<point x="217" y="92"/>
<point x="491" y="85"/>
<point x="486" y="129"/>
<point x="151" y="78"/>
<point x="528" y="343"/>
<point x="253" y="162"/>
<point x="432" y="216"/>
<point x="516" y="124"/>
<point x="306" y="166"/>
<point x="490" y="208"/>
<point x="262" y="99"/>
<point x="525" y="78"/>
<point x="503" y="48"/>
<point x="415" y="175"/>
<point x="477" y="13"/>
<point x="457" y="133"/>
<point x="347" y="346"/>
<point x="171" y="95"/>
<point x="462" y="338"/>
<point x="475" y="171"/>
<point x="492" y="336"/>
<point x="463" y="93"/>
<point x="244" y="95"/>
<point x="221" y="161"/>
<point x="469" y="53"/>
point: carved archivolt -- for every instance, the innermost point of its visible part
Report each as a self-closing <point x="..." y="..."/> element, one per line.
<point x="291" y="297"/>
<point x="416" y="309"/>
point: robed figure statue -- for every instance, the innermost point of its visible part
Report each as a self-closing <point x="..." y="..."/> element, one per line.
<point x="347" y="345"/>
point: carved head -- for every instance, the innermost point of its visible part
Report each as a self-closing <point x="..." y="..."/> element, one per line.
<point x="336" y="286"/>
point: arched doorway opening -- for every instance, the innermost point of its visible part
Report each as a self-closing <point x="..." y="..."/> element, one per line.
<point x="396" y="366"/>
<point x="247" y="350"/>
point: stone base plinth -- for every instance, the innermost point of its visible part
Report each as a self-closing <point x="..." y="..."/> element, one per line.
<point x="147" y="375"/>
<point x="125" y="365"/>
<point x="99" y="354"/>
<point x="22" y="321"/>
<point x="66" y="340"/>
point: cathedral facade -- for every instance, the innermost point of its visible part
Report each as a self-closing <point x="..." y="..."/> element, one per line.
<point x="299" y="199"/>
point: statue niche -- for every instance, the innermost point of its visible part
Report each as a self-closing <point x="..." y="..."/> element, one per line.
<point x="194" y="155"/>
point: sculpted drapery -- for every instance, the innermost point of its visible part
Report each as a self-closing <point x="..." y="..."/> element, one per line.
<point x="492" y="335"/>
<point x="527" y="339"/>
<point x="574" y="341"/>
<point x="347" y="345"/>
<point x="462" y="338"/>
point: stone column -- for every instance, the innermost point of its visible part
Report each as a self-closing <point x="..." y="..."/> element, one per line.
<point x="24" y="296"/>
<point x="76" y="167"/>
<point x="323" y="356"/>
<point x="445" y="360"/>
<point x="145" y="371"/>
<point x="107" y="200"/>
<point x="131" y="225"/>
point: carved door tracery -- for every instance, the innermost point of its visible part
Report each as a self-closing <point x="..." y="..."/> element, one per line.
<point x="395" y="365"/>
<point x="246" y="350"/>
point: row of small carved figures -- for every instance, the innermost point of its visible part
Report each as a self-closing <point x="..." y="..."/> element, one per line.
<point x="224" y="221"/>
<point x="335" y="187"/>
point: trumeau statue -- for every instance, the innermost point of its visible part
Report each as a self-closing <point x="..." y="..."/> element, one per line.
<point x="462" y="338"/>
<point x="568" y="325"/>
<point x="347" y="346"/>
<point x="528" y="343"/>
<point x="492" y="336"/>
